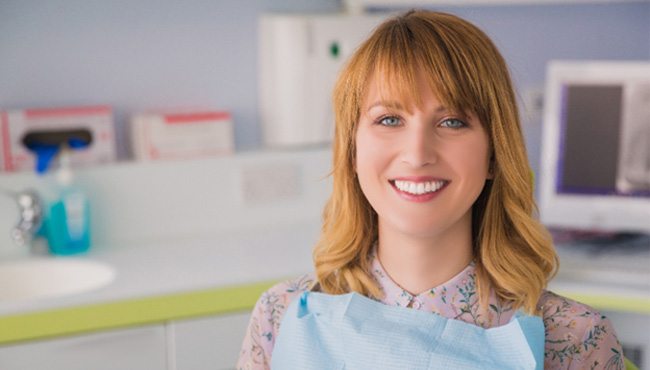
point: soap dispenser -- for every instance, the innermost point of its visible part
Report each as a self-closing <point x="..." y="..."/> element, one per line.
<point x="67" y="225"/>
<point x="67" y="212"/>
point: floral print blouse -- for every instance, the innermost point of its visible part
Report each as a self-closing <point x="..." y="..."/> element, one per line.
<point x="577" y="336"/>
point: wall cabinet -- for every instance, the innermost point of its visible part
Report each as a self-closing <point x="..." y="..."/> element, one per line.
<point x="205" y="343"/>
<point x="632" y="331"/>
<point x="127" y="349"/>
<point x="209" y="343"/>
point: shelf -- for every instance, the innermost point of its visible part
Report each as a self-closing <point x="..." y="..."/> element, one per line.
<point x="428" y="3"/>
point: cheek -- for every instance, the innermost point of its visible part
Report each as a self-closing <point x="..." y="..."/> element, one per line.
<point x="364" y="169"/>
<point x="481" y="162"/>
<point x="477" y="158"/>
<point x="370" y="166"/>
<point x="368" y="152"/>
<point x="470" y="163"/>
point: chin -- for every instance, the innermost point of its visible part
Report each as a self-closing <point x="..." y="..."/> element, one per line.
<point x="423" y="230"/>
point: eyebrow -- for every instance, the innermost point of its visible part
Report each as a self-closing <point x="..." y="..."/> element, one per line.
<point x="398" y="106"/>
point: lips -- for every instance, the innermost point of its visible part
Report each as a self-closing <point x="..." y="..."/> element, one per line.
<point x="418" y="188"/>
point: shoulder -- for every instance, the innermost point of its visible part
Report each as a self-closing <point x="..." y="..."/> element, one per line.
<point x="577" y="336"/>
<point x="264" y="324"/>
<point x="281" y="294"/>
<point x="562" y="312"/>
<point x="273" y="303"/>
<point x="555" y="307"/>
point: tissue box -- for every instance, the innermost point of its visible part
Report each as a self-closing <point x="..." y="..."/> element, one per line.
<point x="15" y="124"/>
<point x="186" y="135"/>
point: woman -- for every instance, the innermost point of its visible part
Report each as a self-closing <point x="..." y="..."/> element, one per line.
<point x="432" y="210"/>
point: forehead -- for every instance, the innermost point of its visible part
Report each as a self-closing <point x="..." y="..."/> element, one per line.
<point x="402" y="92"/>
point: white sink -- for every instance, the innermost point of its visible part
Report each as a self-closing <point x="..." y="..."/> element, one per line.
<point x="37" y="278"/>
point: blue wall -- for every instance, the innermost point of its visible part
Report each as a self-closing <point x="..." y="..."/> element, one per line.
<point x="141" y="54"/>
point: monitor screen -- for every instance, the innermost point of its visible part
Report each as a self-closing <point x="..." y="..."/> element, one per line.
<point x="596" y="146"/>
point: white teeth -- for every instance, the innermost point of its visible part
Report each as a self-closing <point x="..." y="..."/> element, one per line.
<point x="419" y="188"/>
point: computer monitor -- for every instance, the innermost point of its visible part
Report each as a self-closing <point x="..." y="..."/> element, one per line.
<point x="595" y="170"/>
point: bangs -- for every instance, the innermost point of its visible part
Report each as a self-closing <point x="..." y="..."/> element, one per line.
<point x="407" y="49"/>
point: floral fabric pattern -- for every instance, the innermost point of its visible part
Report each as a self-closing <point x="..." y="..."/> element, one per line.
<point x="577" y="336"/>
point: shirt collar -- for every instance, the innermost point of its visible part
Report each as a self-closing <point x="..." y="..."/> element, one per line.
<point x="434" y="299"/>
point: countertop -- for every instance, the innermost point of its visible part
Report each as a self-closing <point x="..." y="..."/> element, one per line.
<point x="159" y="282"/>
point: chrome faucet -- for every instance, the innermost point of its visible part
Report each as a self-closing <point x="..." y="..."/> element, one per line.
<point x="30" y="209"/>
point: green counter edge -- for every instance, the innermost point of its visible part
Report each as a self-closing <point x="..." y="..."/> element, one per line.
<point x="217" y="301"/>
<point x="128" y="313"/>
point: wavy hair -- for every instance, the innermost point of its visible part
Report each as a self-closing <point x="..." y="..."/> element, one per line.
<point x="513" y="252"/>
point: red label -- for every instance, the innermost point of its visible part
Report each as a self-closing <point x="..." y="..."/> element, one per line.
<point x="195" y="117"/>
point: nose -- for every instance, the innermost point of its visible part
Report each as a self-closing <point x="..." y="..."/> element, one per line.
<point x="418" y="148"/>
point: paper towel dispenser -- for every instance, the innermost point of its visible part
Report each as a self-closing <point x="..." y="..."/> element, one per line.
<point x="300" y="57"/>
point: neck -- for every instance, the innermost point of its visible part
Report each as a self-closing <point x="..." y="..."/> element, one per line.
<point x="419" y="263"/>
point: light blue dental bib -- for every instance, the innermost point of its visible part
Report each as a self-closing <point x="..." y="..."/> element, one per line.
<point x="353" y="332"/>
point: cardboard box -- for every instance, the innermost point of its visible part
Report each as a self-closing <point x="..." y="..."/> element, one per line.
<point x="186" y="135"/>
<point x="15" y="124"/>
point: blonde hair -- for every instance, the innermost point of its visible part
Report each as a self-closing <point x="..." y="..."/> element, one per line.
<point x="513" y="252"/>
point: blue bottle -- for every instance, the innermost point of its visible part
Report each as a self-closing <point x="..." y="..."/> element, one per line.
<point x="67" y="225"/>
<point x="67" y="212"/>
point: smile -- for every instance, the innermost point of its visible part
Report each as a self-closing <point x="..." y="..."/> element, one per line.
<point x="421" y="190"/>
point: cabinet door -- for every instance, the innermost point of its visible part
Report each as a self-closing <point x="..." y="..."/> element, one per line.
<point x="632" y="331"/>
<point x="141" y="348"/>
<point x="209" y="343"/>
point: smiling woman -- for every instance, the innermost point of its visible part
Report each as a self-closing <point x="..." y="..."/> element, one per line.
<point x="422" y="147"/>
<point x="430" y="255"/>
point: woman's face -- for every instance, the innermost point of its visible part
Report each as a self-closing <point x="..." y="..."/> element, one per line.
<point x="421" y="168"/>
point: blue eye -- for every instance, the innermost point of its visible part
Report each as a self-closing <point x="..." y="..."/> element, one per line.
<point x="389" y="121"/>
<point x="453" y="123"/>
